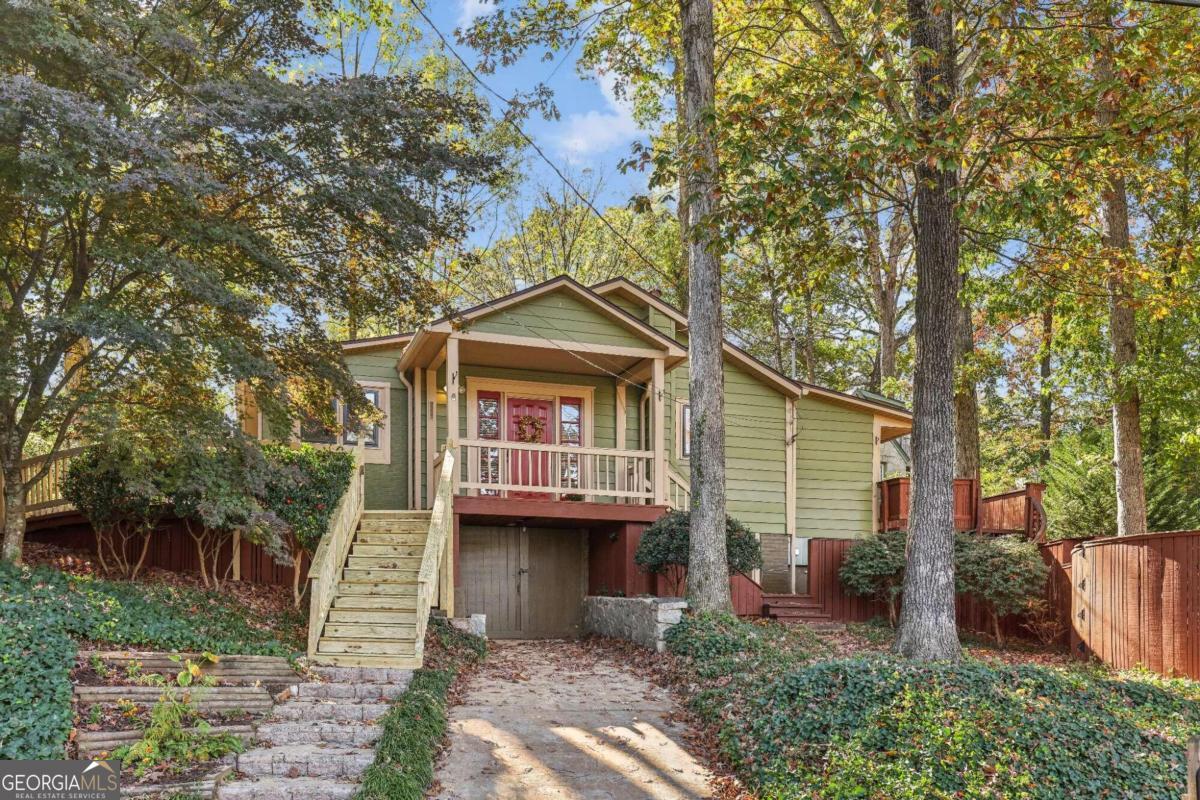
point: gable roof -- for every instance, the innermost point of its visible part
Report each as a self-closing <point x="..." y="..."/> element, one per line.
<point x="773" y="377"/>
<point x="376" y="342"/>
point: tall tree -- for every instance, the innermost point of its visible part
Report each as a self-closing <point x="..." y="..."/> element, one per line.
<point x="175" y="206"/>
<point x="708" y="573"/>
<point x="927" y="628"/>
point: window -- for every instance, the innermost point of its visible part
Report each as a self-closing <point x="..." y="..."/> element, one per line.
<point x="488" y="413"/>
<point x="375" y="440"/>
<point x="570" y="433"/>
<point x="685" y="431"/>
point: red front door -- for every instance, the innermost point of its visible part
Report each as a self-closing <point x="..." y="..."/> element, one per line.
<point x="526" y="467"/>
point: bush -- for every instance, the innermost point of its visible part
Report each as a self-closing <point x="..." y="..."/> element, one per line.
<point x="43" y="612"/>
<point x="874" y="568"/>
<point x="664" y="548"/>
<point x="1005" y="572"/>
<point x="415" y="726"/>
<point x="119" y="487"/>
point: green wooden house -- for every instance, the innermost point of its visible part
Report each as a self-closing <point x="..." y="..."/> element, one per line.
<point x="528" y="441"/>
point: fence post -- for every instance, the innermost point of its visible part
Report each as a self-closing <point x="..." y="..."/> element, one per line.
<point x="1193" y="769"/>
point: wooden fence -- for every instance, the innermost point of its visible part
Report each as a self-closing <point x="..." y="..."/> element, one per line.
<point x="1136" y="601"/>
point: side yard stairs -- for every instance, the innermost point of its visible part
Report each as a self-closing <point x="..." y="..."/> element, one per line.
<point x="373" y="618"/>
<point x="795" y="608"/>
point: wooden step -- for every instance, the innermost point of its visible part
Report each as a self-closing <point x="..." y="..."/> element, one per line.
<point x="367" y="660"/>
<point x="380" y="575"/>
<point x="91" y="743"/>
<point x="357" y="561"/>
<point x="799" y="614"/>
<point x="354" y="630"/>
<point x="377" y="588"/>
<point x="792" y="601"/>
<point x="396" y="514"/>
<point x="402" y="550"/>
<point x="393" y="526"/>
<point x="373" y="647"/>
<point x="391" y="539"/>
<point x="381" y="602"/>
<point x="374" y="616"/>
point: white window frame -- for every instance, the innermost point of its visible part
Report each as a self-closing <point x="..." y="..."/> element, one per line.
<point x="371" y="455"/>
<point x="683" y="409"/>
<point x="533" y="391"/>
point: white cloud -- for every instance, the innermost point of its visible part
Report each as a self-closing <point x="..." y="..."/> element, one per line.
<point x="472" y="10"/>
<point x="595" y="131"/>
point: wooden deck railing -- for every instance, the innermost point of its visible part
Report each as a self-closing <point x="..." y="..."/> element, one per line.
<point x="493" y="467"/>
<point x="1018" y="511"/>
<point x="331" y="553"/>
<point x="436" y="576"/>
<point x="43" y="497"/>
<point x="679" y="491"/>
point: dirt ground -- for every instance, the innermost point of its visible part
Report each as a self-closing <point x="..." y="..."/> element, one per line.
<point x="567" y="721"/>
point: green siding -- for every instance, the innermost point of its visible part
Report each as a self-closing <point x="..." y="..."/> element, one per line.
<point x="636" y="309"/>
<point x="558" y="315"/>
<point x="387" y="484"/>
<point x="834" y="470"/>
<point x="661" y="322"/>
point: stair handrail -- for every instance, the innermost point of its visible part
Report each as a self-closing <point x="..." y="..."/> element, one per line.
<point x="331" y="553"/>
<point x="441" y="522"/>
<point x="679" y="491"/>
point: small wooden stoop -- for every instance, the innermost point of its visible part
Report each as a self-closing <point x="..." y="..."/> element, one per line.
<point x="796" y="608"/>
<point x="373" y="618"/>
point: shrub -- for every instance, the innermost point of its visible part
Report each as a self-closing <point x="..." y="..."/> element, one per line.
<point x="1007" y="573"/>
<point x="302" y="488"/>
<point x="118" y="486"/>
<point x="874" y="568"/>
<point x="415" y="726"/>
<point x="664" y="548"/>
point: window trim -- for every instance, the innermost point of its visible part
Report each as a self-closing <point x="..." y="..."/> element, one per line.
<point x="371" y="455"/>
<point x="534" y="391"/>
<point x="683" y="411"/>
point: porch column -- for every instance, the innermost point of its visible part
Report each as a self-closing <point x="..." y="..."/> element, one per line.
<point x="430" y="434"/>
<point x="452" y="391"/>
<point x="659" y="392"/>
<point x="789" y="471"/>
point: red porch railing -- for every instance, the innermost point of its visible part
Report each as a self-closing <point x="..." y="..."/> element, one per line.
<point x="1018" y="511"/>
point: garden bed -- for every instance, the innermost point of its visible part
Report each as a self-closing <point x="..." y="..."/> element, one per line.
<point x="802" y="716"/>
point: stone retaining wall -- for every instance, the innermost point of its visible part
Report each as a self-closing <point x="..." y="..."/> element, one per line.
<point x="641" y="620"/>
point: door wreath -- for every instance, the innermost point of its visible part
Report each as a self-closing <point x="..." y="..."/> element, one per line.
<point x="530" y="429"/>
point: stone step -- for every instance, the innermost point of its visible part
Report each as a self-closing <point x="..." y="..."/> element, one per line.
<point x="393" y="602"/>
<point x="371" y="692"/>
<point x="391" y="539"/>
<point x="364" y="674"/>
<point x="373" y="616"/>
<point x="377" y="589"/>
<point x="387" y="633"/>
<point x="402" y="550"/>
<point x="340" y="711"/>
<point x="306" y="761"/>
<point x="205" y="786"/>
<point x="357" y="561"/>
<point x="287" y="789"/>
<point x="91" y="743"/>
<point x="375" y="647"/>
<point x="380" y="575"/>
<point x="353" y="734"/>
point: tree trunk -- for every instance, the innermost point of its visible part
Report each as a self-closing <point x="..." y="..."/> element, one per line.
<point x="1046" y="401"/>
<point x="966" y="400"/>
<point x="887" y="344"/>
<point x="927" y="630"/>
<point x="682" y="290"/>
<point x="708" y="574"/>
<point x="14" y="513"/>
<point x="1126" y="407"/>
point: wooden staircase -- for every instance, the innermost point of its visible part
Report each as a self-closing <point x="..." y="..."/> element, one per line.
<point x="795" y="608"/>
<point x="372" y="621"/>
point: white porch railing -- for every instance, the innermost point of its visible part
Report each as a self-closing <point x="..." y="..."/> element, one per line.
<point x="496" y="467"/>
<point x="326" y="567"/>
<point x="679" y="491"/>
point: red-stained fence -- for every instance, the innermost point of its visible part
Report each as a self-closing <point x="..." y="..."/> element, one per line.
<point x="1136" y="601"/>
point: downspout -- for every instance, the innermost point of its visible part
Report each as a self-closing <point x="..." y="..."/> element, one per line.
<point x="412" y="399"/>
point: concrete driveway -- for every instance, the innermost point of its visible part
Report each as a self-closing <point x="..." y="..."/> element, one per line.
<point x="562" y="720"/>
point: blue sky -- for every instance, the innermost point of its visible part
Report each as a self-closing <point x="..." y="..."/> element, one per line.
<point x="595" y="130"/>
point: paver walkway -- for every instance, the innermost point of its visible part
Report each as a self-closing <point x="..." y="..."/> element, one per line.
<point x="560" y="720"/>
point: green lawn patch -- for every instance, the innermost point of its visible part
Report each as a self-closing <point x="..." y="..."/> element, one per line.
<point x="880" y="727"/>
<point x="415" y="727"/>
<point x="44" y="612"/>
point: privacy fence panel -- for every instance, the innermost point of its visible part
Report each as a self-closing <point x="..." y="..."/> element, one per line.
<point x="1136" y="601"/>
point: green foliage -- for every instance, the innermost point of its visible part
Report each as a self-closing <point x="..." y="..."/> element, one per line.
<point x="883" y="727"/>
<point x="1081" y="498"/>
<point x="303" y="487"/>
<point x="874" y="567"/>
<point x="664" y="546"/>
<point x="1005" y="572"/>
<point x="415" y="726"/>
<point x="176" y="738"/>
<point x="44" y="611"/>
